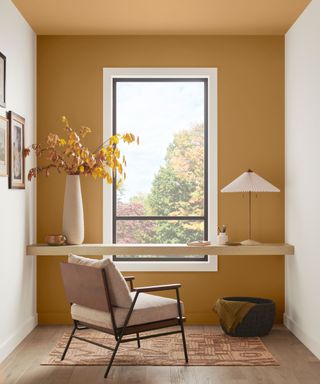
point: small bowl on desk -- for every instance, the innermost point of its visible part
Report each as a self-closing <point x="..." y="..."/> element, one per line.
<point x="56" y="240"/>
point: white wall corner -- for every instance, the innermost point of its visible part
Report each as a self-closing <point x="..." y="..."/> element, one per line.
<point x="18" y="207"/>
<point x="15" y="339"/>
<point x="302" y="181"/>
<point x="310" y="341"/>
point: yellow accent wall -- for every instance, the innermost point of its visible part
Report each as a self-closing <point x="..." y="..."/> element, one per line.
<point x="250" y="135"/>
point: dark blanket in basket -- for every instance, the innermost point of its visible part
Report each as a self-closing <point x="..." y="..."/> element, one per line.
<point x="231" y="313"/>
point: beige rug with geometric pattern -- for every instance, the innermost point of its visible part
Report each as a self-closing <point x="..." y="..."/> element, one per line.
<point x="205" y="347"/>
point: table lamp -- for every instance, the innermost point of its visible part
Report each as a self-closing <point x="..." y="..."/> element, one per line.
<point x="250" y="182"/>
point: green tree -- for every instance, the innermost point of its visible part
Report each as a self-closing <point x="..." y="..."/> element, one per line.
<point x="169" y="192"/>
<point x="177" y="189"/>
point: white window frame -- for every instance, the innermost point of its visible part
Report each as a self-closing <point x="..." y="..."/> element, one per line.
<point x="211" y="74"/>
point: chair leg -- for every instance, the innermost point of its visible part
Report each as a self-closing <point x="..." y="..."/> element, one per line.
<point x="69" y="341"/>
<point x="138" y="340"/>
<point x="121" y="334"/>
<point x="182" y="327"/>
<point x="184" y="342"/>
<point x="113" y="356"/>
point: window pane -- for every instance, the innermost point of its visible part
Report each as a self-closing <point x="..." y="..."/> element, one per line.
<point x="165" y="174"/>
<point x="159" y="231"/>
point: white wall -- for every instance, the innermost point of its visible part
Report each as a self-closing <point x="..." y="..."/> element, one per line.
<point x="17" y="207"/>
<point x="302" y="51"/>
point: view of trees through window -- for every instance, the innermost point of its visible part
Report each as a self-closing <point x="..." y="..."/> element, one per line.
<point x="163" y="199"/>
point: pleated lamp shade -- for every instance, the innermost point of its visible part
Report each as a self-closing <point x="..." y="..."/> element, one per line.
<point x="250" y="182"/>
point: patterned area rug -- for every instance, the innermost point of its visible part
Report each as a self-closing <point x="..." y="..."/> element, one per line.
<point x="204" y="348"/>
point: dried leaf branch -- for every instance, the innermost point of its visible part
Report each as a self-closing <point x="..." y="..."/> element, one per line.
<point x="69" y="155"/>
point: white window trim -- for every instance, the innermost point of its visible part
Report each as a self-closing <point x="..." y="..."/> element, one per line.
<point x="211" y="73"/>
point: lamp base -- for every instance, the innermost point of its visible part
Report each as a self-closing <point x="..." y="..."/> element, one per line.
<point x="249" y="242"/>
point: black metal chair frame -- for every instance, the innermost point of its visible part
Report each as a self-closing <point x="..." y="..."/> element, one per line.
<point x="120" y="332"/>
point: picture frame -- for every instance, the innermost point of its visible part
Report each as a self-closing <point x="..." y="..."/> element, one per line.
<point x="3" y="146"/>
<point x="16" y="151"/>
<point x="2" y="80"/>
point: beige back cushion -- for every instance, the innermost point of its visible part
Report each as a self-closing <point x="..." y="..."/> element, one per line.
<point x="119" y="291"/>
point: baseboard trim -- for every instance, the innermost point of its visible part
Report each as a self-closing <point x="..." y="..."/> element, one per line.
<point x="311" y="343"/>
<point x="12" y="341"/>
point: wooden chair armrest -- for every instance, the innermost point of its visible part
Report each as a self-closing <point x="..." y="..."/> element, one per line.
<point x="129" y="278"/>
<point x="154" y="288"/>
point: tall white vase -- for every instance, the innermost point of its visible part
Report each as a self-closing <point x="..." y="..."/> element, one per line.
<point x="73" y="225"/>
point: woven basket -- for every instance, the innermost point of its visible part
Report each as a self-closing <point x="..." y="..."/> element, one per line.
<point x="258" y="321"/>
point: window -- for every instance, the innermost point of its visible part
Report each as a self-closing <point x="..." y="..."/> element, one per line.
<point x="168" y="194"/>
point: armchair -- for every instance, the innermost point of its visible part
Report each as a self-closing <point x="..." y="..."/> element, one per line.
<point x="91" y="292"/>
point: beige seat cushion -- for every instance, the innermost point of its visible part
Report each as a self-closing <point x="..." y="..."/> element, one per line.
<point x="148" y="308"/>
<point x="119" y="291"/>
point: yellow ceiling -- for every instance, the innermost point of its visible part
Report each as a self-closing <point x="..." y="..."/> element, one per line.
<point x="158" y="17"/>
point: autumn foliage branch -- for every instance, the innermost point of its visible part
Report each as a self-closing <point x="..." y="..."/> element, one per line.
<point x="69" y="155"/>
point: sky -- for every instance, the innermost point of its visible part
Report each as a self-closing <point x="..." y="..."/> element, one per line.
<point x="154" y="111"/>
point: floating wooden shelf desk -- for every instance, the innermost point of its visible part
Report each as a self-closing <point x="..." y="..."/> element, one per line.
<point x="159" y="249"/>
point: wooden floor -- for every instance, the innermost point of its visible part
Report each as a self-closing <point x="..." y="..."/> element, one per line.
<point x="297" y="366"/>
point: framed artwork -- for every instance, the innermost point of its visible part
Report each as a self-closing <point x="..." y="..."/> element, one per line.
<point x="3" y="146"/>
<point x="2" y="80"/>
<point x="16" y="147"/>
